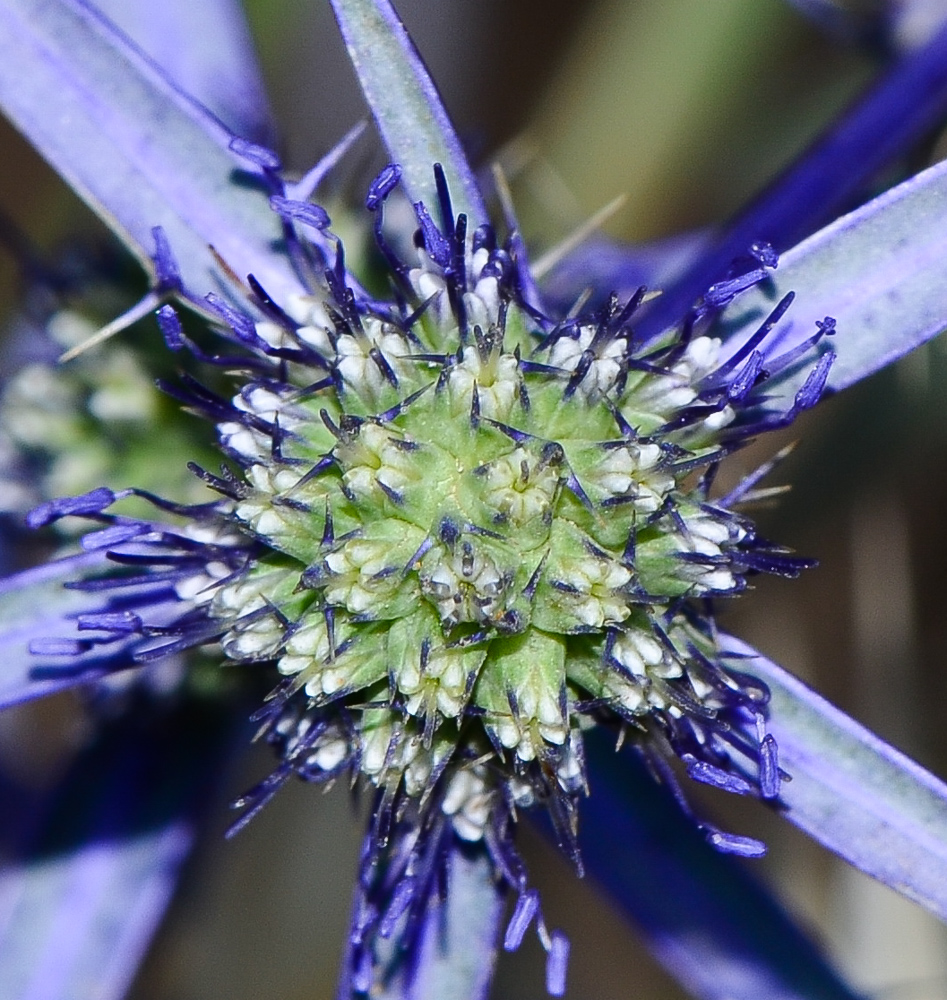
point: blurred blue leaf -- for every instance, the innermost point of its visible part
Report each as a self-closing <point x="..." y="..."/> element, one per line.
<point x="220" y="70"/>
<point x="880" y="271"/>
<point x="603" y="266"/>
<point x="705" y="918"/>
<point x="91" y="876"/>
<point x="890" y="24"/>
<point x="406" y="105"/>
<point x="907" y="102"/>
<point x="138" y="151"/>
<point x="457" y="954"/>
<point x="913" y="21"/>
<point x="864" y="27"/>
<point x="854" y="793"/>
<point x="35" y="605"/>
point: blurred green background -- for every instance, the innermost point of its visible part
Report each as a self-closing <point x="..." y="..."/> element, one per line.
<point x="687" y="107"/>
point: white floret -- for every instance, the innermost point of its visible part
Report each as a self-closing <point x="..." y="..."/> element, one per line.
<point x="596" y="581"/>
<point x="605" y="368"/>
<point x="468" y="802"/>
<point x="496" y="378"/>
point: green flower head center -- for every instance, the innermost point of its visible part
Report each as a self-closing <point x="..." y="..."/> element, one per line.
<point x="476" y="533"/>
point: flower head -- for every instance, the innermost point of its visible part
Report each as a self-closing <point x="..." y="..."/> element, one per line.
<point x="466" y="531"/>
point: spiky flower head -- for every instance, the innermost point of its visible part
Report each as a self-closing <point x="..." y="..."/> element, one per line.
<point x="466" y="532"/>
<point x="483" y="529"/>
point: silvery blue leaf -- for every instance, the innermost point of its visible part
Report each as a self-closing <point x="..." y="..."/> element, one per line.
<point x="91" y="874"/>
<point x="34" y="605"/>
<point x="705" y="918"/>
<point x="459" y="943"/>
<point x="854" y="793"/>
<point x="407" y="106"/>
<point x="140" y="152"/>
<point x="913" y="21"/>
<point x="221" y="71"/>
<point x="880" y="271"/>
<point x="907" y="102"/>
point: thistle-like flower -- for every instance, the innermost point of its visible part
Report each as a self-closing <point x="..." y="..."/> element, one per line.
<point x="465" y="528"/>
<point x="466" y="532"/>
<point x="67" y="429"/>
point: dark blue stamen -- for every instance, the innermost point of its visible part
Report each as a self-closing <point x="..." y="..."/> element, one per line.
<point x="764" y="253"/>
<point x="581" y="370"/>
<point x="336" y="278"/>
<point x="709" y="774"/>
<point x="717" y="376"/>
<point x="118" y="623"/>
<point x="169" y="324"/>
<point x="167" y="273"/>
<point x="403" y="895"/>
<point x="448" y="532"/>
<point x="474" y="407"/>
<point x="59" y="647"/>
<point x="747" y="378"/>
<point x="444" y="202"/>
<point x="499" y="266"/>
<point x="783" y="363"/>
<point x="328" y="532"/>
<point x="305" y="212"/>
<point x="769" y="767"/>
<point x="527" y="906"/>
<point x="811" y="391"/>
<point x="395" y="411"/>
<point x="384" y="183"/>
<point x="776" y="563"/>
<point x="381" y="363"/>
<point x="484" y="238"/>
<point x="434" y="241"/>
<point x="721" y="293"/>
<point x="270" y="307"/>
<point x="256" y="153"/>
<point x="86" y="505"/>
<point x="324" y="463"/>
<point x="393" y="495"/>
<point x="732" y="843"/>
<point x="238" y="321"/>
<point x="458" y="262"/>
<point x="619" y="321"/>
<point x="557" y="963"/>
<point x="113" y="535"/>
